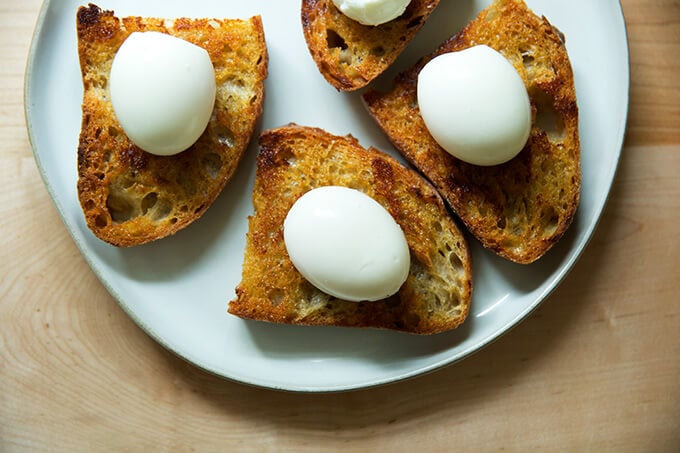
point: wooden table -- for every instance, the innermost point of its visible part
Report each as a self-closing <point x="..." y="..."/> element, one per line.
<point x="596" y="367"/>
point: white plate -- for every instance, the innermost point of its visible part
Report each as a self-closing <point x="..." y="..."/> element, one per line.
<point x="177" y="288"/>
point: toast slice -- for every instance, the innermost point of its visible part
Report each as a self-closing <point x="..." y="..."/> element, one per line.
<point x="519" y="209"/>
<point x="350" y="55"/>
<point x="295" y="159"/>
<point x="129" y="196"/>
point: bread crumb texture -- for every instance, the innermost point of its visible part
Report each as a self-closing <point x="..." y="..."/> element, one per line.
<point x="129" y="196"/>
<point x="350" y="55"/>
<point x="519" y="209"/>
<point x="295" y="159"/>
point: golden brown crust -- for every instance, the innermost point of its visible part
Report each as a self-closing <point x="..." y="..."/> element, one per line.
<point x="350" y="55"/>
<point x="519" y="209"/>
<point x="128" y="196"/>
<point x="296" y="159"/>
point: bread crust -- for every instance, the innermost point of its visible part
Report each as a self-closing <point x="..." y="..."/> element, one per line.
<point x="350" y="55"/>
<point x="295" y="159"/>
<point x="519" y="209"/>
<point x="128" y="196"/>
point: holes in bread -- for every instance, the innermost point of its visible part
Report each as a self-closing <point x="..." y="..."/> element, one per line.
<point x="547" y="118"/>
<point x="275" y="296"/>
<point x="378" y="51"/>
<point x="311" y="300"/>
<point x="289" y="156"/>
<point x="234" y="83"/>
<point x="334" y="40"/>
<point x="549" y="220"/>
<point x="455" y="301"/>
<point x="161" y="209"/>
<point x="455" y="261"/>
<point x="149" y="201"/>
<point x="415" y="22"/>
<point x="345" y="56"/>
<point x="236" y="89"/>
<point x="98" y="82"/>
<point x="125" y="203"/>
<point x="113" y="132"/>
<point x="125" y="182"/>
<point x="547" y="167"/>
<point x="224" y="135"/>
<point x="437" y="226"/>
<point x="101" y="220"/>
<point x="120" y="207"/>
<point x="212" y="163"/>
<point x="436" y="305"/>
<point x="528" y="61"/>
<point x="501" y="223"/>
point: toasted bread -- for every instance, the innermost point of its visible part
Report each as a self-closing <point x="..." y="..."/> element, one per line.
<point x="129" y="196"/>
<point x="295" y="159"/>
<point x="350" y="55"/>
<point x="519" y="209"/>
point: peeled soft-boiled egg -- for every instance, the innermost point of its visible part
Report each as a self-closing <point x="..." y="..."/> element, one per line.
<point x="346" y="244"/>
<point x="372" y="12"/>
<point x="163" y="91"/>
<point x="475" y="105"/>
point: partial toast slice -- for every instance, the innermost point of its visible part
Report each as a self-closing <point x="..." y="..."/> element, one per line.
<point x="129" y="196"/>
<point x="519" y="209"/>
<point x="350" y="55"/>
<point x="295" y="159"/>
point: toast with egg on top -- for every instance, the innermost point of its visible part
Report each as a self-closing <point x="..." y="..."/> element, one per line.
<point x="129" y="196"/>
<point x="521" y="208"/>
<point x="350" y="55"/>
<point x="294" y="160"/>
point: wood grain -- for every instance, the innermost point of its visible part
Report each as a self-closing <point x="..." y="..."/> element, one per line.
<point x="596" y="367"/>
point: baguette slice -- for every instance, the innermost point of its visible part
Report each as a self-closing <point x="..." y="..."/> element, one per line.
<point x="129" y="196"/>
<point x="295" y="159"/>
<point x="519" y="209"/>
<point x="350" y="55"/>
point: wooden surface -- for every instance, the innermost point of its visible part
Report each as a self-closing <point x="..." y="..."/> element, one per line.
<point x="596" y="367"/>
